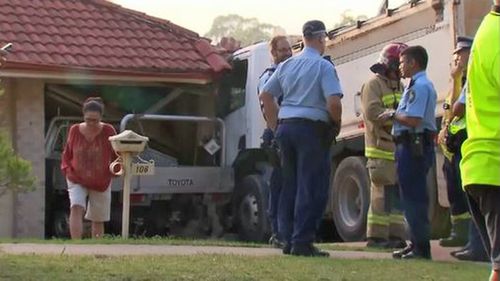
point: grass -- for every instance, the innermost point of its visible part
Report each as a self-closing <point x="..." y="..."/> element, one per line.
<point x="226" y="267"/>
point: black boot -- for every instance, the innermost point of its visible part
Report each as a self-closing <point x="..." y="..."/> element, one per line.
<point x="275" y="242"/>
<point x="377" y="243"/>
<point x="307" y="250"/>
<point x="397" y="243"/>
<point x="469" y="255"/>
<point x="459" y="234"/>
<point x="400" y="253"/>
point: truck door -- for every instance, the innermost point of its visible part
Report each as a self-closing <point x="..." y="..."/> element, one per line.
<point x="231" y="107"/>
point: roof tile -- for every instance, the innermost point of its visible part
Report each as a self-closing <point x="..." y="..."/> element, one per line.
<point x="97" y="34"/>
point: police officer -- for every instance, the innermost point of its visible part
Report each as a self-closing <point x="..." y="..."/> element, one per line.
<point x="460" y="217"/>
<point x="414" y="129"/>
<point x="456" y="135"/>
<point x="280" y="51"/>
<point x="385" y="224"/>
<point x="480" y="164"/>
<point x="452" y="135"/>
<point x="309" y="119"/>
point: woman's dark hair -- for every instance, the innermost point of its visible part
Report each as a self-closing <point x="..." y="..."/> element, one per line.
<point x="417" y="53"/>
<point x="94" y="104"/>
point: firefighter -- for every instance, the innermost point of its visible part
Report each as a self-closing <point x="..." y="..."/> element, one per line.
<point x="414" y="130"/>
<point x="460" y="217"/>
<point x="480" y="164"/>
<point x="385" y="225"/>
<point x="280" y="51"/>
<point x="309" y="119"/>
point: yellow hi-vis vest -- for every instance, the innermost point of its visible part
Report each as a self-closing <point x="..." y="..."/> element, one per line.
<point x="456" y="125"/>
<point x="448" y="111"/>
<point x="481" y="151"/>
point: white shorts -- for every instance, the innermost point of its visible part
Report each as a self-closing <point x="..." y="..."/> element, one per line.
<point x="99" y="203"/>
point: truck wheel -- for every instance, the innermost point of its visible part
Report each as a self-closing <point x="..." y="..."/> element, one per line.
<point x="251" y="205"/>
<point x="350" y="198"/>
<point x="60" y="224"/>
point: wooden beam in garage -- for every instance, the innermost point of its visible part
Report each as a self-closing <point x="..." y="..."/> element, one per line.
<point x="164" y="101"/>
<point x="76" y="98"/>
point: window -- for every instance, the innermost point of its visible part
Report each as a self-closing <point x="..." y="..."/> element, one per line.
<point x="232" y="89"/>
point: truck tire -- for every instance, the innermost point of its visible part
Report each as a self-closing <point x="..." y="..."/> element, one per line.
<point x="251" y="209"/>
<point x="350" y="198"/>
<point x="60" y="223"/>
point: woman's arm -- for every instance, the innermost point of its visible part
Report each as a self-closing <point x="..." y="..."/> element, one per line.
<point x="67" y="155"/>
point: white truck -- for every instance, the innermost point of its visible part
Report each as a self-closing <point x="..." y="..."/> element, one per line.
<point x="225" y="188"/>
<point x="432" y="24"/>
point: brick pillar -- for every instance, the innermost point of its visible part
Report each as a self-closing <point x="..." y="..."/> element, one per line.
<point x="29" y="216"/>
<point x="6" y="125"/>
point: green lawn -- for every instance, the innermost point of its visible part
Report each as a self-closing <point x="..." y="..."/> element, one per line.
<point x="231" y="268"/>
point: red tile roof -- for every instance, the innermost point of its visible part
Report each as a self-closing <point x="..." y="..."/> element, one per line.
<point x="101" y="37"/>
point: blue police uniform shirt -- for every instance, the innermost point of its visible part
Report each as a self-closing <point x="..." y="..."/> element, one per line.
<point x="461" y="98"/>
<point x="265" y="77"/>
<point x="419" y="100"/>
<point x="305" y="81"/>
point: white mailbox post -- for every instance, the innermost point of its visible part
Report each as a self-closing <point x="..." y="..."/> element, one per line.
<point x="127" y="144"/>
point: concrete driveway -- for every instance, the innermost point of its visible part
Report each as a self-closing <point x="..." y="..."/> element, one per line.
<point x="438" y="253"/>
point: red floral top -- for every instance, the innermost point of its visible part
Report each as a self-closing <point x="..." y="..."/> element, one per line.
<point x="87" y="162"/>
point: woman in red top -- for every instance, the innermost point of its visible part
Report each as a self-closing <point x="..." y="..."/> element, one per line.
<point x="85" y="163"/>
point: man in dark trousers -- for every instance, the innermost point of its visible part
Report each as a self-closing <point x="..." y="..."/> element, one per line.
<point x="309" y="119"/>
<point x="459" y="211"/>
<point x="280" y="51"/>
<point x="451" y="137"/>
<point x="414" y="130"/>
<point x="480" y="165"/>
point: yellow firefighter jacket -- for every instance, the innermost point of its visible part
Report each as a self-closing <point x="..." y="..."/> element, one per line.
<point x="378" y="95"/>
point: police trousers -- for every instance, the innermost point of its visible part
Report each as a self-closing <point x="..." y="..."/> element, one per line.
<point x="275" y="182"/>
<point x="305" y="166"/>
<point x="474" y="243"/>
<point x="456" y="195"/>
<point x="412" y="174"/>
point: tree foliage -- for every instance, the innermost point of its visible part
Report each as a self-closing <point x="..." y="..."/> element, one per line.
<point x="246" y="30"/>
<point x="348" y="18"/>
<point x="15" y="173"/>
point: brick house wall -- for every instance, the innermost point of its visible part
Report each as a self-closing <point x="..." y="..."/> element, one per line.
<point x="22" y="116"/>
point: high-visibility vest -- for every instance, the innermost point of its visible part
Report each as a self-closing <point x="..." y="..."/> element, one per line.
<point x="480" y="163"/>
<point x="448" y="110"/>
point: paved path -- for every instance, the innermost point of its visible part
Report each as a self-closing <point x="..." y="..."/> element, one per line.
<point x="439" y="253"/>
